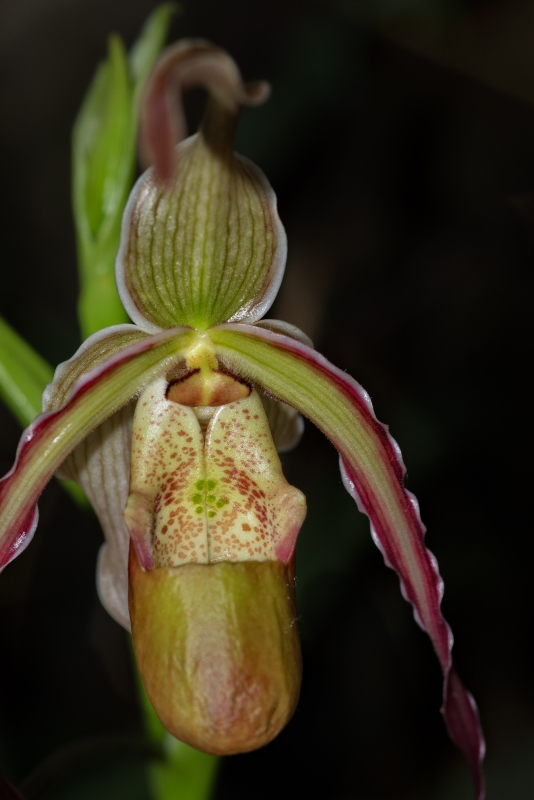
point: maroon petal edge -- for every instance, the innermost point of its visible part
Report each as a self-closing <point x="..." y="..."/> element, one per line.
<point x="459" y="708"/>
<point x="49" y="424"/>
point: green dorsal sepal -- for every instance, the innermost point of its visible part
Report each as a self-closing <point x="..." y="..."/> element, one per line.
<point x="201" y="242"/>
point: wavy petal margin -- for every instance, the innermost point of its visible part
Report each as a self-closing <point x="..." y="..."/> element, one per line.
<point x="53" y="435"/>
<point x="373" y="473"/>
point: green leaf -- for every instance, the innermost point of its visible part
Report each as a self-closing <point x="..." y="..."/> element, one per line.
<point x="23" y="375"/>
<point x="152" y="38"/>
<point x="103" y="146"/>
<point x="103" y="164"/>
<point x="106" y="156"/>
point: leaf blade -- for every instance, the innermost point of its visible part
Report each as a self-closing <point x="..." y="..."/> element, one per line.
<point x="23" y="375"/>
<point x="103" y="164"/>
<point x="145" y="49"/>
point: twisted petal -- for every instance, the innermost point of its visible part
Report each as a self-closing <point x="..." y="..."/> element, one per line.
<point x="186" y="64"/>
<point x="373" y="473"/>
<point x="54" y="435"/>
<point x="204" y="245"/>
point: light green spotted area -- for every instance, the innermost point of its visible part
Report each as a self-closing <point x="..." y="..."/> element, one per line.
<point x="200" y="498"/>
<point x="205" y="502"/>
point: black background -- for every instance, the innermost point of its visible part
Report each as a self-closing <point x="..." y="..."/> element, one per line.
<point x="402" y="152"/>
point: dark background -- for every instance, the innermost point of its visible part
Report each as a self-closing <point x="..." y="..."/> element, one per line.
<point x="401" y="147"/>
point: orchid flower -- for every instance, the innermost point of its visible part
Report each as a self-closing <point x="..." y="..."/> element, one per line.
<point x="171" y="425"/>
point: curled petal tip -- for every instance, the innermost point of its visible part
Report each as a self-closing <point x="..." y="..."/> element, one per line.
<point x="187" y="64"/>
<point x="463" y="725"/>
<point x="257" y="93"/>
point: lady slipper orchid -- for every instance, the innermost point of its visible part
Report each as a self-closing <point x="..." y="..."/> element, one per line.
<point x="171" y="425"/>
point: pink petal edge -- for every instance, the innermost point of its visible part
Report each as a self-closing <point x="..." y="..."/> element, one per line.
<point x="18" y="536"/>
<point x="459" y="708"/>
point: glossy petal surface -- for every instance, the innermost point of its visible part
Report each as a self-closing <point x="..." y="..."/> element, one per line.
<point x="218" y="649"/>
<point x="373" y="473"/>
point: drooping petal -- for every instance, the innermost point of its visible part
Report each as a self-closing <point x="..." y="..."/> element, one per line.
<point x="373" y="473"/>
<point x="205" y="245"/>
<point x="55" y="434"/>
<point x="94" y="352"/>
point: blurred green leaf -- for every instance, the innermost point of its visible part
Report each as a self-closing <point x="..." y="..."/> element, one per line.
<point x="103" y="163"/>
<point x="152" y="38"/>
<point x="102" y="171"/>
<point x="187" y="773"/>
<point x="23" y="375"/>
<point x="107" y="158"/>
